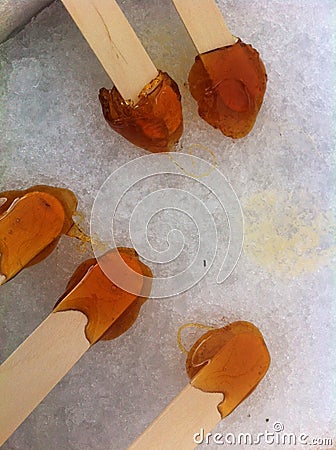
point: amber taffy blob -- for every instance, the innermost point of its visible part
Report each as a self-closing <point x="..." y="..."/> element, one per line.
<point x="110" y="310"/>
<point x="233" y="359"/>
<point x="154" y="122"/>
<point x="229" y="85"/>
<point x="31" y="223"/>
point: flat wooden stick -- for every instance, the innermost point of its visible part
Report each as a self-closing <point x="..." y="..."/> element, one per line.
<point x="184" y="417"/>
<point x="37" y="365"/>
<point x="115" y="44"/>
<point x="205" y="24"/>
<point x="234" y="372"/>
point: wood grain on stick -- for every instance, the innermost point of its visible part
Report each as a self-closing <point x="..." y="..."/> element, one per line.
<point x="37" y="365"/>
<point x="205" y="24"/>
<point x="115" y="44"/>
<point x="176" y="426"/>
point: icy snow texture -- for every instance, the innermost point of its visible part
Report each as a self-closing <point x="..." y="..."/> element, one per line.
<point x="52" y="131"/>
<point x="16" y="13"/>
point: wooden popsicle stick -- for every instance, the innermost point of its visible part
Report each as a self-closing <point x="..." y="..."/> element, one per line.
<point x="42" y="360"/>
<point x="229" y="376"/>
<point x="115" y="44"/>
<point x="37" y="365"/>
<point x="205" y="24"/>
<point x="183" y="418"/>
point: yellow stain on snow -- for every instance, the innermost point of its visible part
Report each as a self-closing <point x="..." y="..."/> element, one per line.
<point x="189" y="325"/>
<point x="286" y="234"/>
<point x="84" y="239"/>
<point x="192" y="149"/>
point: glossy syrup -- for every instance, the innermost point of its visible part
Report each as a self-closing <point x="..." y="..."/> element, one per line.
<point x="155" y="122"/>
<point x="233" y="360"/>
<point x="110" y="310"/>
<point x="31" y="223"/>
<point x="229" y="85"/>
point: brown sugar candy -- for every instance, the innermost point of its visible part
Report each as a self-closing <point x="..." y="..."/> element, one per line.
<point x="225" y="365"/>
<point x="92" y="308"/>
<point x="145" y="104"/>
<point x="31" y="223"/>
<point x="155" y="122"/>
<point x="228" y="84"/>
<point x="233" y="360"/>
<point x="93" y="293"/>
